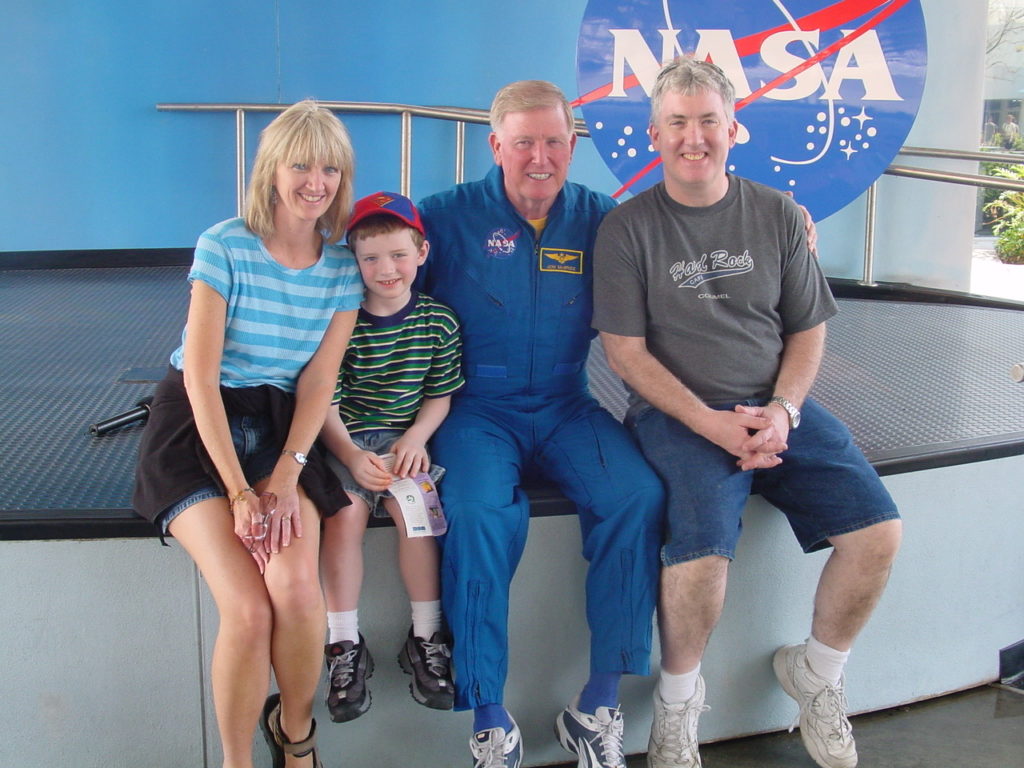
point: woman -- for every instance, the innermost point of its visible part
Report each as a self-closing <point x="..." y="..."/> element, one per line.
<point x="227" y="463"/>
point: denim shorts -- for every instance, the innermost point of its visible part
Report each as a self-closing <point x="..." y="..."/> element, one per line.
<point x="824" y="485"/>
<point x="376" y="441"/>
<point x="257" y="453"/>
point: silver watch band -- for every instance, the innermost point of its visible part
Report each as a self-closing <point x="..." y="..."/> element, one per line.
<point x="792" y="410"/>
<point x="297" y="455"/>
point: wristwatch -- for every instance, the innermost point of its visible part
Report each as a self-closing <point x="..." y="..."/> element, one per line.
<point x="792" y="410"/>
<point x="299" y="457"/>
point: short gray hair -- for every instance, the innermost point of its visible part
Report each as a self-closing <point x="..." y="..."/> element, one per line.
<point x="688" y="76"/>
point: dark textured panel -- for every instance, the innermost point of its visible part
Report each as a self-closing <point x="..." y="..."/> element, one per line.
<point x="132" y="257"/>
<point x="919" y="385"/>
<point x="69" y="337"/>
<point x="911" y="380"/>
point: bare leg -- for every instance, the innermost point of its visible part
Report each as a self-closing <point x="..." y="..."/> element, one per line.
<point x="852" y="582"/>
<point x="418" y="560"/>
<point x="240" y="671"/>
<point x="293" y="583"/>
<point x="341" y="556"/>
<point x="690" y="604"/>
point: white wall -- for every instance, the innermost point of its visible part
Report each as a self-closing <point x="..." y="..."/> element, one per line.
<point x="101" y="652"/>
<point x="925" y="229"/>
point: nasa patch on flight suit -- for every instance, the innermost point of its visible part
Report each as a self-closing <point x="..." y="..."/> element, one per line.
<point x="561" y="260"/>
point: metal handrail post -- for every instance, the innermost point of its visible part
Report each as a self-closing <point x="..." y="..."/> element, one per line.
<point x="869" y="236"/>
<point x="406" y="162"/>
<point x="239" y="161"/>
<point x="460" y="152"/>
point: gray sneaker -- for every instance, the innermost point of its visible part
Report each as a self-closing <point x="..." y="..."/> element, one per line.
<point x="824" y="727"/>
<point x="673" y="742"/>
<point x="429" y="663"/>
<point x="348" y="666"/>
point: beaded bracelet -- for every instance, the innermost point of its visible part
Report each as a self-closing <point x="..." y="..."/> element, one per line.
<point x="239" y="496"/>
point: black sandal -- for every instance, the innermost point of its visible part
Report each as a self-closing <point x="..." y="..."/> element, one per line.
<point x="277" y="740"/>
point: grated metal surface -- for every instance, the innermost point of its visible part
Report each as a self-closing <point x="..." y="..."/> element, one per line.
<point x="910" y="380"/>
<point x="913" y="378"/>
<point x="80" y="345"/>
<point x="68" y="338"/>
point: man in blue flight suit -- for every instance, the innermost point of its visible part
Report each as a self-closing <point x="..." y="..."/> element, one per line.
<point x="511" y="254"/>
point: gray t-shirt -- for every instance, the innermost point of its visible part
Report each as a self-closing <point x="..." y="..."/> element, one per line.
<point x="714" y="289"/>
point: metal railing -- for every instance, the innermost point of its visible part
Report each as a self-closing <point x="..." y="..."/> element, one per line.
<point x="928" y="174"/>
<point x="462" y="116"/>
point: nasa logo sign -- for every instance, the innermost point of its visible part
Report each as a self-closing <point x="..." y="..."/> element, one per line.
<point x="826" y="92"/>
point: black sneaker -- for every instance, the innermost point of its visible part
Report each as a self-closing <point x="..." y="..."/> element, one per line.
<point x="429" y="663"/>
<point x="348" y="666"/>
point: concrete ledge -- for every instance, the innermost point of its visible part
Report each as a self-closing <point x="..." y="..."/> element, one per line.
<point x="144" y="626"/>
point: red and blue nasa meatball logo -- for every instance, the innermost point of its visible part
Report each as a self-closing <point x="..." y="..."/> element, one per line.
<point x="500" y="243"/>
<point x="826" y="92"/>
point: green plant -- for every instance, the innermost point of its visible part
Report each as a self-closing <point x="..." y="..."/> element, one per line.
<point x="1008" y="212"/>
<point x="989" y="194"/>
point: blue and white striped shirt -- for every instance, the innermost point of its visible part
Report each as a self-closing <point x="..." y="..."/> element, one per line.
<point x="276" y="316"/>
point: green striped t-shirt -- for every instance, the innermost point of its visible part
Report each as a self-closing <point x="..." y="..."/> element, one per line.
<point x="393" y="362"/>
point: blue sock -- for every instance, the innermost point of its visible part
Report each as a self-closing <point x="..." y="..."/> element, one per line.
<point x="601" y="690"/>
<point x="491" y="716"/>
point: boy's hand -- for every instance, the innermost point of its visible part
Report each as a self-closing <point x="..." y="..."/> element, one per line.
<point x="368" y="471"/>
<point x="410" y="457"/>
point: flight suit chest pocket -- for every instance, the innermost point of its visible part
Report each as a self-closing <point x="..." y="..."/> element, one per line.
<point x="492" y="309"/>
<point x="568" y="302"/>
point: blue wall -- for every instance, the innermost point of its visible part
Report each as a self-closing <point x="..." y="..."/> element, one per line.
<point x="89" y="163"/>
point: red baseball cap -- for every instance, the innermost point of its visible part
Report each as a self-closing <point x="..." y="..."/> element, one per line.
<point x="390" y="203"/>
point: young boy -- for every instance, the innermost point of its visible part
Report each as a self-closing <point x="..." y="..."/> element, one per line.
<point x="394" y="389"/>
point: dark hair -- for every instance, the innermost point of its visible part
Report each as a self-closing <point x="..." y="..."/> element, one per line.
<point x="382" y="224"/>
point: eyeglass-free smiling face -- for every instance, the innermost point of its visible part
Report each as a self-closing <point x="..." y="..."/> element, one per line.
<point x="388" y="264"/>
<point x="304" y="191"/>
<point x="534" y="149"/>
<point x="693" y="134"/>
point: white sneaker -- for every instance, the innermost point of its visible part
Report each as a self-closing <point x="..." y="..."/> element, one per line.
<point x="494" y="748"/>
<point x="595" y="739"/>
<point x="824" y="727"/>
<point x="673" y="742"/>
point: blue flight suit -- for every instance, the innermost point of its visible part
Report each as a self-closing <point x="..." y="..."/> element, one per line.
<point x="525" y="308"/>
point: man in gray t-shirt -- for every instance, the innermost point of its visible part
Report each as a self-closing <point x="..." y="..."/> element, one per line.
<point x="712" y="290"/>
<point x="713" y="311"/>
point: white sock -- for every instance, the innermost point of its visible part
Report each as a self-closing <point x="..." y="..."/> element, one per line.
<point x="675" y="689"/>
<point x="426" y="618"/>
<point x="343" y="625"/>
<point x="825" y="662"/>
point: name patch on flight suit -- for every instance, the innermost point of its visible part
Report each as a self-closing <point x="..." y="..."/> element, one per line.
<point x="561" y="260"/>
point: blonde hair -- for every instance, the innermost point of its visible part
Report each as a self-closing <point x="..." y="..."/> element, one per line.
<point x="524" y="95"/>
<point x="687" y="76"/>
<point x="303" y="133"/>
